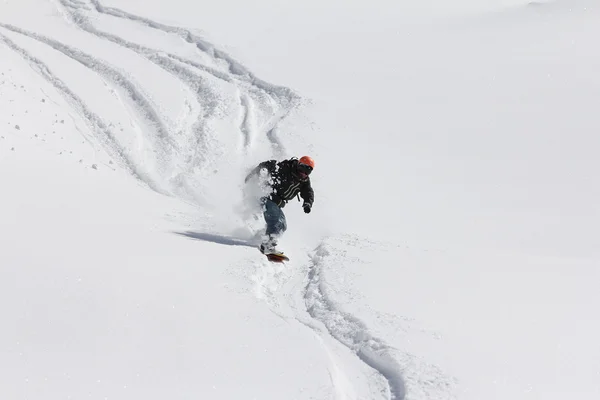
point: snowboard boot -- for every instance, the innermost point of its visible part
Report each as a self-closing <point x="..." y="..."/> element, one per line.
<point x="269" y="247"/>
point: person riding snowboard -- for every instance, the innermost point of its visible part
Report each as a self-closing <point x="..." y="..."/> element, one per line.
<point x="287" y="179"/>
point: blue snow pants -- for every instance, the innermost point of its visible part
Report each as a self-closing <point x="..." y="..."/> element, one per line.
<point x="275" y="218"/>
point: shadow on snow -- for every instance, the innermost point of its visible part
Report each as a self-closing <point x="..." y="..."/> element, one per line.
<point x="219" y="239"/>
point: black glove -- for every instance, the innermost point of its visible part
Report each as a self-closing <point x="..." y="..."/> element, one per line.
<point x="306" y="207"/>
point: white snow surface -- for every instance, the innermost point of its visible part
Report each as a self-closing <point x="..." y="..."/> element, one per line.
<point x="453" y="250"/>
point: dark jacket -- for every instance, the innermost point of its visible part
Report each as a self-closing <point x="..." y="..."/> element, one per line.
<point x="285" y="181"/>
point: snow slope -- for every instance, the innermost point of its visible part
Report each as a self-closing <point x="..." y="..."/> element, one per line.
<point x="453" y="247"/>
<point x="101" y="298"/>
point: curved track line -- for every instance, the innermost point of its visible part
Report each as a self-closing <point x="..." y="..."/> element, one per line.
<point x="272" y="135"/>
<point x="285" y="97"/>
<point x="246" y="124"/>
<point x="197" y="83"/>
<point x="239" y="76"/>
<point x="234" y="67"/>
<point x="349" y="330"/>
<point x="106" y="137"/>
<point x="111" y="74"/>
<point x="76" y="16"/>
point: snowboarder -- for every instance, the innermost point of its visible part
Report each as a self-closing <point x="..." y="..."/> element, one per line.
<point x="287" y="179"/>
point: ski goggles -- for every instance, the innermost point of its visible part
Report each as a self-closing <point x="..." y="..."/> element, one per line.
<point x="305" y="169"/>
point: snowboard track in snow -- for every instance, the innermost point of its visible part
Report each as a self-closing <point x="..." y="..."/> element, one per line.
<point x="105" y="134"/>
<point x="76" y="13"/>
<point x="111" y="74"/>
<point x="185" y="151"/>
<point x="120" y="82"/>
<point x="349" y="330"/>
<point x="245" y="125"/>
<point x="255" y="89"/>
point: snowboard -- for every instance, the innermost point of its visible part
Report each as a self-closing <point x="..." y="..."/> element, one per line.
<point x="277" y="257"/>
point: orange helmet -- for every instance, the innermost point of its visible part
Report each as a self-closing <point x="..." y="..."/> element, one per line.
<point x="305" y="167"/>
<point x="306" y="160"/>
